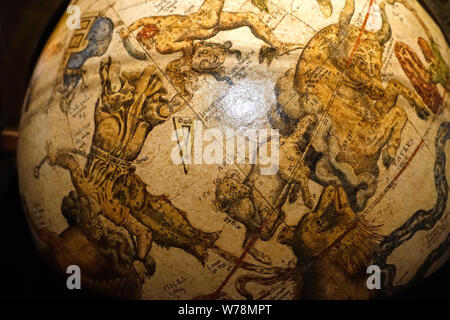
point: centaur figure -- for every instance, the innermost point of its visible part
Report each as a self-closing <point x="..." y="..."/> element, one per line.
<point x="130" y="105"/>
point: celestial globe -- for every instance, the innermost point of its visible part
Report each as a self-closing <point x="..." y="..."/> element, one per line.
<point x="239" y="149"/>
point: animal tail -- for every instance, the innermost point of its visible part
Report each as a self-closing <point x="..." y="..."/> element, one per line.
<point x="357" y="248"/>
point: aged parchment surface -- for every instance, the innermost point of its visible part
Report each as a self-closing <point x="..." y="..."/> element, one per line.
<point x="240" y="149"/>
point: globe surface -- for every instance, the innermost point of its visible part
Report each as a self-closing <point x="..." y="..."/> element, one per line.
<point x="240" y="149"/>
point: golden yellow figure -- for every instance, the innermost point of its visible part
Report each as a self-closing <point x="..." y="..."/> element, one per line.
<point x="129" y="107"/>
<point x="306" y="172"/>
<point x="176" y="33"/>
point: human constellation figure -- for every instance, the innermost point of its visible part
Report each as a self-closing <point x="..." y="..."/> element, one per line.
<point x="439" y="70"/>
<point x="176" y="33"/>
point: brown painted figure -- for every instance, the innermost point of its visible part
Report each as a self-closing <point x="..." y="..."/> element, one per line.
<point x="332" y="241"/>
<point x="129" y="107"/>
<point x="261" y="215"/>
<point x="360" y="119"/>
<point x="176" y="33"/>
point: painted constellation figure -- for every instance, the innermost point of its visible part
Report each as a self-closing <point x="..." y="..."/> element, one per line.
<point x="175" y="33"/>
<point x="360" y="123"/>
<point x="341" y="156"/>
<point x="438" y="68"/>
<point x="262" y="215"/>
<point x="102" y="251"/>
<point x="129" y="107"/>
<point x="297" y="226"/>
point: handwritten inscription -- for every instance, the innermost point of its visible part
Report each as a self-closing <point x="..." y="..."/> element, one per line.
<point x="402" y="158"/>
<point x="166" y="6"/>
<point x="232" y="222"/>
<point x="281" y="291"/>
<point x="217" y="266"/>
<point x="435" y="234"/>
<point x="80" y="136"/>
<point x="175" y="288"/>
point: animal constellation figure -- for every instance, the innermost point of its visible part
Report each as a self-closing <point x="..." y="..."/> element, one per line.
<point x="130" y="105"/>
<point x="261" y="216"/>
<point x="361" y="120"/>
<point x="333" y="236"/>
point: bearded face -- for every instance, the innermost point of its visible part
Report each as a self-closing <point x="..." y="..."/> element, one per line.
<point x="207" y="59"/>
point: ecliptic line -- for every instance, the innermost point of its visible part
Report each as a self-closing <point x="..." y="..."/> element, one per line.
<point x="331" y="101"/>
<point x="316" y="72"/>
<point x="257" y="189"/>
<point x="424" y="135"/>
<point x="401" y="171"/>
<point x="254" y="238"/>
<point x="358" y="41"/>
<point x="357" y="218"/>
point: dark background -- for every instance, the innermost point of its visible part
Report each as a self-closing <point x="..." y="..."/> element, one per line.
<point x="24" y="27"/>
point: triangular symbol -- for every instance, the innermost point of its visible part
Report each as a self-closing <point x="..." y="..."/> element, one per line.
<point x="185" y="128"/>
